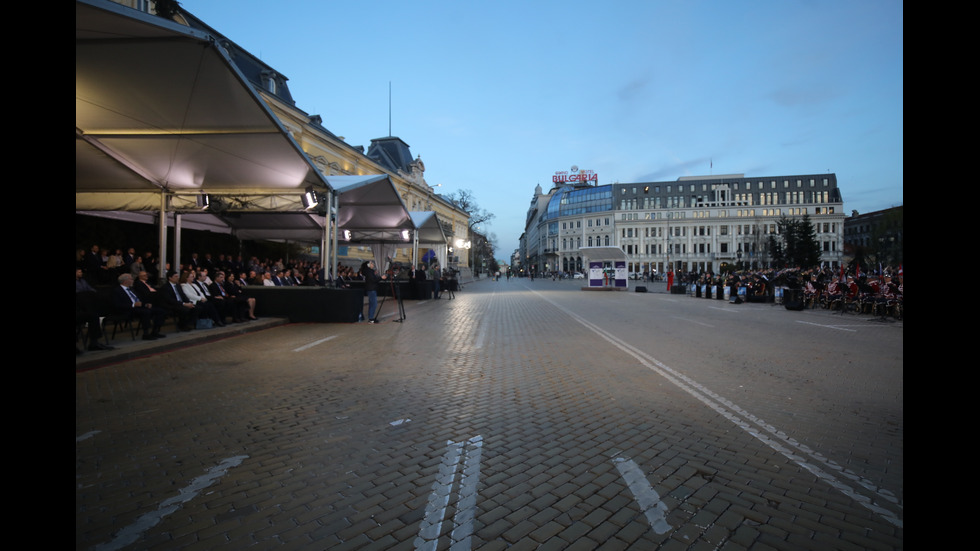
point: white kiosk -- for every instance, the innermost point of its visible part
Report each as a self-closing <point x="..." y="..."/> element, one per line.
<point x="598" y="278"/>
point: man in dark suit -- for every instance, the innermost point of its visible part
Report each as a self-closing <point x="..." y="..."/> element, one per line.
<point x="177" y="303"/>
<point x="144" y="289"/>
<point x="222" y="299"/>
<point x="126" y="301"/>
<point x="128" y="259"/>
<point x="230" y="298"/>
<point x="87" y="311"/>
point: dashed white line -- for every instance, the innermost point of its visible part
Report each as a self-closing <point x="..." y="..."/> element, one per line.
<point x="646" y="497"/>
<point x="827" y="326"/>
<point x="775" y="439"/>
<point x="694" y="321"/>
<point x="315" y="343"/>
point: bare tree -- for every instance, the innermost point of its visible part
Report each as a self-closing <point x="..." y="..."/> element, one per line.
<point x="482" y="254"/>
<point x="465" y="200"/>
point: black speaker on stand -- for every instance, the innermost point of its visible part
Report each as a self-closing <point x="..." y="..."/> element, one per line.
<point x="793" y="299"/>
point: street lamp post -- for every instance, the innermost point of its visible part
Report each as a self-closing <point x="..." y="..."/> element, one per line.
<point x="668" y="266"/>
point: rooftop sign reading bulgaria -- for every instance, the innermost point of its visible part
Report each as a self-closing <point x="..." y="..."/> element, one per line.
<point x="575" y="175"/>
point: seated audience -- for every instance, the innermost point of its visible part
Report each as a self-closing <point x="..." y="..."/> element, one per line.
<point x="126" y="301"/>
<point x="205" y="308"/>
<point x="178" y="304"/>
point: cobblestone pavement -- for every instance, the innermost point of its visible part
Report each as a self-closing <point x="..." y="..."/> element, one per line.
<point x="519" y="415"/>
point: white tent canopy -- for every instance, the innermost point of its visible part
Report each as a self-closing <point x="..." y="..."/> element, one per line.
<point x="429" y="228"/>
<point x="431" y="234"/>
<point x="604" y="254"/>
<point x="370" y="212"/>
<point x="370" y="209"/>
<point x="160" y="108"/>
<point x="165" y="122"/>
<point x="608" y="254"/>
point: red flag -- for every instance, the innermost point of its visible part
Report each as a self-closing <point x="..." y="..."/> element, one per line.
<point x="857" y="271"/>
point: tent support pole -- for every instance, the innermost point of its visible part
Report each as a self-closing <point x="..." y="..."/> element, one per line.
<point x="178" y="222"/>
<point x="325" y="255"/>
<point x="162" y="239"/>
<point x="334" y="199"/>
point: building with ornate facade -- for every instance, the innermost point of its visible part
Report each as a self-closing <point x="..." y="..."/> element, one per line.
<point x="700" y="224"/>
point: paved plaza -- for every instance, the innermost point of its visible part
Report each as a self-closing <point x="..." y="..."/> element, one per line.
<point x="518" y="415"/>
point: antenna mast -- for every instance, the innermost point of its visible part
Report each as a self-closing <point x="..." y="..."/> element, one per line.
<point x="389" y="108"/>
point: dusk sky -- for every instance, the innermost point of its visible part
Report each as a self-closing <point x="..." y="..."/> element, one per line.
<point x="498" y="96"/>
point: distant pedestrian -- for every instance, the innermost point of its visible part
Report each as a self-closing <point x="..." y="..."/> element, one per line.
<point x="436" y="278"/>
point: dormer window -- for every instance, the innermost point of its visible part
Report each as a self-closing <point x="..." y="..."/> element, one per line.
<point x="269" y="82"/>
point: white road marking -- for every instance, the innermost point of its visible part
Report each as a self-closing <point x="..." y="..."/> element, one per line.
<point x="435" y="510"/>
<point x="694" y="321"/>
<point x="131" y="533"/>
<point x="646" y="497"/>
<point x="481" y="336"/>
<point x="466" y="507"/>
<point x="775" y="439"/>
<point x="315" y="343"/>
<point x="87" y="435"/>
<point x="828" y="326"/>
